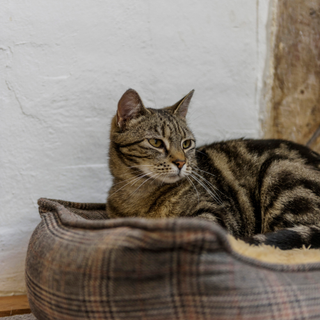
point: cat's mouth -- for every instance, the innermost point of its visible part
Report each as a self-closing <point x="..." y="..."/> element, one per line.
<point x="173" y="177"/>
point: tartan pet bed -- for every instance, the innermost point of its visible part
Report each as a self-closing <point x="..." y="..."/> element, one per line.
<point x="80" y="265"/>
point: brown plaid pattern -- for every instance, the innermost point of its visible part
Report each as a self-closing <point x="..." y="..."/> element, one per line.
<point x="134" y="268"/>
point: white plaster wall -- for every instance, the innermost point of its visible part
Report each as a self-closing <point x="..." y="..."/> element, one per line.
<point x="64" y="66"/>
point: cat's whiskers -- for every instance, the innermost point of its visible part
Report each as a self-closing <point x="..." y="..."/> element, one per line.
<point x="128" y="183"/>
<point x="211" y="174"/>
<point x="214" y="187"/>
<point x="153" y="175"/>
<point x="206" y="188"/>
<point x="162" y="181"/>
<point x="210" y="185"/>
<point x="203" y="178"/>
<point x="194" y="187"/>
<point x="132" y="178"/>
<point x="134" y="182"/>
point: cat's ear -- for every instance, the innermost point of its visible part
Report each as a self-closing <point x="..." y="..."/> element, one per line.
<point x="130" y="106"/>
<point x="181" y="107"/>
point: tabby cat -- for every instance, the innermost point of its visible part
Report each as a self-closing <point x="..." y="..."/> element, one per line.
<point x="262" y="191"/>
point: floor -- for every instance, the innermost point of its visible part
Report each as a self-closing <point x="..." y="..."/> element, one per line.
<point x="20" y="317"/>
<point x="14" y="305"/>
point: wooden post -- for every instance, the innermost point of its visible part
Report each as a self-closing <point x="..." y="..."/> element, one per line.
<point x="294" y="112"/>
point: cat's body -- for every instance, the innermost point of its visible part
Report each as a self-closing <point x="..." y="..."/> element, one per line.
<point x="263" y="191"/>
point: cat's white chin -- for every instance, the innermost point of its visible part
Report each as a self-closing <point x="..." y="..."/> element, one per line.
<point x="172" y="178"/>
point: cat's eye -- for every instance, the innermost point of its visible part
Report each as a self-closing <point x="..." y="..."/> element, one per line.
<point x="186" y="144"/>
<point x="157" y="143"/>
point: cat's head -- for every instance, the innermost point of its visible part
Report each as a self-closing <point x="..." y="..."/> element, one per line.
<point x="156" y="142"/>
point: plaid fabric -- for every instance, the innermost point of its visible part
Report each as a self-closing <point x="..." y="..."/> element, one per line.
<point x="78" y="268"/>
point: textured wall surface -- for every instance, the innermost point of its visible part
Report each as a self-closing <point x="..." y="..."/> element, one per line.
<point x="64" y="66"/>
<point x="295" y="102"/>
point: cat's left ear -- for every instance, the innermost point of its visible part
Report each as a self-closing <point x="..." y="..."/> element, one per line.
<point x="181" y="107"/>
<point x="130" y="106"/>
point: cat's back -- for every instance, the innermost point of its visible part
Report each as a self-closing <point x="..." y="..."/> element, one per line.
<point x="250" y="154"/>
<point x="248" y="161"/>
<point x="257" y="178"/>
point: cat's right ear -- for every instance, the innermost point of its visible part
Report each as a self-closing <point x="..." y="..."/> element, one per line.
<point x="181" y="107"/>
<point x="130" y="106"/>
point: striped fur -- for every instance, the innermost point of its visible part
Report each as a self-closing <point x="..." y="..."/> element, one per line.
<point x="262" y="191"/>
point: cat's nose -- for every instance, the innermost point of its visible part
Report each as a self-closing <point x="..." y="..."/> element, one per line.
<point x="179" y="163"/>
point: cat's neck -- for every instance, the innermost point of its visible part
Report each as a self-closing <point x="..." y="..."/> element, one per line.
<point x="141" y="198"/>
